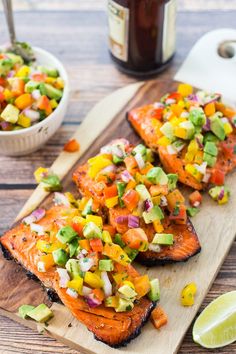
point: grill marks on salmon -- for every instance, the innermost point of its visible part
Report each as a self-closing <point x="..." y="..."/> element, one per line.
<point x="114" y="329"/>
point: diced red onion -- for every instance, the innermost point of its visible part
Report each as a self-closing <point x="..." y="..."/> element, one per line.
<point x="140" y="161"/>
<point x="221" y="194"/>
<point x="126" y="176"/>
<point x="5" y="126"/>
<point x="224" y="120"/>
<point x="199" y="143"/>
<point x="196" y="204"/>
<point x="214" y="99"/>
<point x="39" y="214"/>
<point x="36" y="94"/>
<point x="201" y="168"/>
<point x="158" y="105"/>
<point x="122" y="219"/>
<point x="193" y="98"/>
<point x="41" y="267"/>
<point x="207" y="126"/>
<point x="117" y="150"/>
<point x="33" y="115"/>
<point x="72" y="293"/>
<point x="184" y="114"/>
<point x="154" y="248"/>
<point x="133" y="221"/>
<point x="171" y="150"/>
<point x="93" y="301"/>
<point x="107" y="287"/>
<point x="86" y="291"/>
<point x="60" y="199"/>
<point x="108" y="169"/>
<point x="63" y="277"/>
<point x="84" y="252"/>
<point x="170" y="101"/>
<point x="206" y="177"/>
<point x="163" y="201"/>
<point x="148" y="205"/>
<point x="37" y="228"/>
<point x="86" y="264"/>
<point x="11" y="73"/>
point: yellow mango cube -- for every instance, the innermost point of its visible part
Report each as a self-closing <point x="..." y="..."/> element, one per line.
<point x="185" y="89"/>
<point x="50" y="80"/>
<point x="111" y="202"/>
<point x="39" y="173"/>
<point x="76" y="284"/>
<point x="228" y="128"/>
<point x="198" y="159"/>
<point x="164" y="141"/>
<point x="120" y="277"/>
<point x="95" y="219"/>
<point x="106" y="237"/>
<point x="193" y="172"/>
<point x="180" y="133"/>
<point x="24" y="121"/>
<point x="23" y="71"/>
<point x="93" y="280"/>
<point x="158" y="226"/>
<point x="53" y="103"/>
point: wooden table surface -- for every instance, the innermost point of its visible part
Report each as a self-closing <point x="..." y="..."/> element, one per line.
<point x="76" y="32"/>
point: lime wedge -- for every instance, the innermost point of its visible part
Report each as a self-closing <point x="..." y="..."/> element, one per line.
<point x="216" y="325"/>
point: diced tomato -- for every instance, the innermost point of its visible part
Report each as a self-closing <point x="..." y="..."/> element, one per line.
<point x="131" y="199"/>
<point x="156" y="113"/>
<point x="135" y="238"/>
<point x="39" y="77"/>
<point x="110" y="192"/>
<point x="17" y="87"/>
<point x="71" y="146"/>
<point x="228" y="148"/>
<point x="96" y="245"/>
<point x="175" y="96"/>
<point x="95" y="206"/>
<point x="217" y="177"/>
<point x="78" y="228"/>
<point x="179" y="214"/>
<point x="2" y="98"/>
<point x="131" y="164"/>
<point x="44" y="104"/>
<point x="195" y="199"/>
<point x="110" y="229"/>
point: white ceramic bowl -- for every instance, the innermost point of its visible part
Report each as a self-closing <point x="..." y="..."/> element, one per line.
<point x="27" y="140"/>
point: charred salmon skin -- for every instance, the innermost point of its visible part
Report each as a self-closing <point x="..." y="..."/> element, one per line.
<point x="93" y="279"/>
<point x="141" y="202"/>
<point x="194" y="135"/>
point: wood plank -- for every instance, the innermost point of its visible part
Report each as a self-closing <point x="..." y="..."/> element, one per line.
<point x="215" y="223"/>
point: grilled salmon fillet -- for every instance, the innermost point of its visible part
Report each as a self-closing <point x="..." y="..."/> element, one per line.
<point x="148" y="120"/>
<point x="108" y="326"/>
<point x="186" y="243"/>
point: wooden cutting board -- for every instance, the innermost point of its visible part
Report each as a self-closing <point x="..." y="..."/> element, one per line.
<point x="215" y="226"/>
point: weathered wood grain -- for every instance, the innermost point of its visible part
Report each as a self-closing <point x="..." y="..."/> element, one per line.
<point x="80" y="41"/>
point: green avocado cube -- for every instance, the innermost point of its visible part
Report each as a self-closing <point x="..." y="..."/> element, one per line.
<point x="73" y="247"/>
<point x="121" y="189"/>
<point x="172" y="181"/>
<point x="163" y="239"/>
<point x="24" y="310"/>
<point x="131" y="252"/>
<point x="197" y="116"/>
<point x="154" y="214"/>
<point x="140" y="149"/>
<point x="210" y="137"/>
<point x="41" y="313"/>
<point x="211" y="148"/>
<point x="31" y="86"/>
<point x="66" y="234"/>
<point x="106" y="265"/>
<point x="116" y="160"/>
<point x="6" y="64"/>
<point x="73" y="268"/>
<point x="191" y="211"/>
<point x="143" y="192"/>
<point x="217" y="127"/>
<point x="118" y="240"/>
<point x="124" y="305"/>
<point x="91" y="230"/>
<point x="10" y="114"/>
<point x="209" y="159"/>
<point x="157" y="176"/>
<point x="168" y="130"/>
<point x="154" y="293"/>
<point x="127" y="292"/>
<point x="52" y="72"/>
<point x="42" y="89"/>
<point x="53" y="92"/>
<point x="60" y="257"/>
<point x="16" y="59"/>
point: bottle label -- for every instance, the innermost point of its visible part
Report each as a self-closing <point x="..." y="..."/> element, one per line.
<point x="118" y="22"/>
<point x="169" y="30"/>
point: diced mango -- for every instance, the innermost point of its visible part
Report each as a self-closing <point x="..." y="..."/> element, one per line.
<point x="198" y="159"/>
<point x="120" y="277"/>
<point x="116" y="253"/>
<point x="76" y="284"/>
<point x="24" y="121"/>
<point x="93" y="280"/>
<point x="163" y="141"/>
<point x="112" y="301"/>
<point x="111" y="202"/>
<point x="158" y="227"/>
<point x="142" y="285"/>
<point x="185" y="89"/>
<point x="228" y="128"/>
<point x="95" y="219"/>
<point x="23" y="101"/>
<point x="23" y="71"/>
<point x="53" y="103"/>
<point x="180" y="132"/>
<point x="48" y="261"/>
<point x="96" y="164"/>
<point x="39" y="174"/>
<point x="193" y="172"/>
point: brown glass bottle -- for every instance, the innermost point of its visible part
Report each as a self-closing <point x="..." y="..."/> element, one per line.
<point x="142" y="34"/>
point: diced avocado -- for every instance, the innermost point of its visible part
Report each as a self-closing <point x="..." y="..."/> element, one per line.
<point x="154" y="293"/>
<point x="106" y="265"/>
<point x="168" y="130"/>
<point x="72" y="266"/>
<point x="121" y="189"/>
<point x="192" y="211"/>
<point x="197" y="116"/>
<point x="131" y="252"/>
<point x="53" y="92"/>
<point x="172" y="180"/>
<point x="31" y="86"/>
<point x="42" y="89"/>
<point x="157" y="176"/>
<point x="52" y="72"/>
<point x="163" y="239"/>
<point x="116" y="160"/>
<point x="209" y="159"/>
<point x="91" y="230"/>
<point x="16" y="59"/>
<point x="211" y="148"/>
<point x="52" y="183"/>
<point x="143" y="192"/>
<point x="118" y="240"/>
<point x="73" y="247"/>
<point x="88" y="208"/>
<point x="124" y="305"/>
<point x="140" y="149"/>
<point x="215" y="192"/>
<point x="127" y="292"/>
<point x="66" y="234"/>
<point x="189" y="128"/>
<point x="41" y="313"/>
<point x="154" y="214"/>
<point x="24" y="310"/>
<point x="60" y="257"/>
<point x="6" y="64"/>
<point x="10" y="114"/>
<point x="210" y="137"/>
<point x="217" y="127"/>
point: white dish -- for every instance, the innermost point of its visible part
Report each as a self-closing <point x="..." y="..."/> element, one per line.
<point x="27" y="140"/>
